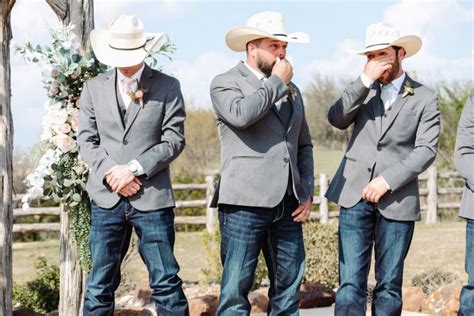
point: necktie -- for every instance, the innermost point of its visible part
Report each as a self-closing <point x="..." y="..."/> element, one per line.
<point x="127" y="85"/>
<point x="385" y="95"/>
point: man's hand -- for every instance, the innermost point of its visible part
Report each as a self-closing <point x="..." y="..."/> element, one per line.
<point x="375" y="190"/>
<point x="131" y="189"/>
<point x="118" y="177"/>
<point x="283" y="69"/>
<point x="303" y="211"/>
<point x="376" y="66"/>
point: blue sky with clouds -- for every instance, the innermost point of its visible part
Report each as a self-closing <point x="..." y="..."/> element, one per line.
<point x="198" y="29"/>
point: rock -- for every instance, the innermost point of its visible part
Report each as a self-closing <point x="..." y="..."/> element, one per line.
<point x="203" y="306"/>
<point x="259" y="300"/>
<point x="53" y="313"/>
<point x="133" y="312"/>
<point x="142" y="294"/>
<point x="413" y="298"/>
<point x="445" y="300"/>
<point x="24" y="311"/>
<point x="316" y="295"/>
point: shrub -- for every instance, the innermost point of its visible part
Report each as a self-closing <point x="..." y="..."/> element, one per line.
<point x="321" y="254"/>
<point x="42" y="293"/>
<point x="432" y="280"/>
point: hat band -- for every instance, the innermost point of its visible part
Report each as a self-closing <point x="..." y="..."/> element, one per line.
<point x="280" y="35"/>
<point x="377" y="45"/>
<point x="134" y="48"/>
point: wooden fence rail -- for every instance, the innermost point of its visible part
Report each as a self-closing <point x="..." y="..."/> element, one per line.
<point x="432" y="192"/>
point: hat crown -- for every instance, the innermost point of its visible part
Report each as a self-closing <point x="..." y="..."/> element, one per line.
<point x="381" y="34"/>
<point x="127" y="32"/>
<point x="269" y="22"/>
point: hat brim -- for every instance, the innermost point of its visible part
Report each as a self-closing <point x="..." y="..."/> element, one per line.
<point x="411" y="44"/>
<point x="99" y="39"/>
<point x="237" y="38"/>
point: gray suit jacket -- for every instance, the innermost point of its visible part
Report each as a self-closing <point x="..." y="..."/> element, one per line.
<point x="153" y="135"/>
<point x="257" y="150"/>
<point x="464" y="157"/>
<point x="398" y="144"/>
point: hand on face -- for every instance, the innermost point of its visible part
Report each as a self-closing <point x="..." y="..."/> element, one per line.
<point x="283" y="69"/>
<point x="376" y="66"/>
<point x="118" y="177"/>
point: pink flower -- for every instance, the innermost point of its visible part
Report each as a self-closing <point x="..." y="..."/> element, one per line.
<point x="53" y="90"/>
<point x="62" y="128"/>
<point x="58" y="117"/>
<point x="74" y="75"/>
<point x="64" y="142"/>
<point x="55" y="72"/>
<point x="75" y="121"/>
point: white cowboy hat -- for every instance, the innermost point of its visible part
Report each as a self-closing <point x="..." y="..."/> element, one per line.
<point x="123" y="43"/>
<point x="264" y="24"/>
<point x="382" y="35"/>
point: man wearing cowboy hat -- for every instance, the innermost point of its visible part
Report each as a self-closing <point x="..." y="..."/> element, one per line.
<point x="464" y="160"/>
<point x="395" y="137"/>
<point x="131" y="129"/>
<point x="266" y="184"/>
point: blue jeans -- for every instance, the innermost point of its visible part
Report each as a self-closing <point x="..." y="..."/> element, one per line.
<point x="244" y="232"/>
<point x="361" y="227"/>
<point x="110" y="234"/>
<point x="467" y="294"/>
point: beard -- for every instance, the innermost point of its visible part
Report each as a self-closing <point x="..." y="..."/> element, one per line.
<point x="265" y="67"/>
<point x="390" y="74"/>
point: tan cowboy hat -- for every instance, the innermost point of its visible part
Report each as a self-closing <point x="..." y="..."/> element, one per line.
<point x="264" y="24"/>
<point x="124" y="43"/>
<point x="382" y="35"/>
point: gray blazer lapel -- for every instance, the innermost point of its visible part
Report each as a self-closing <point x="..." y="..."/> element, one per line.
<point x="134" y="107"/>
<point x="111" y="96"/>
<point x="295" y="106"/>
<point x="396" y="107"/>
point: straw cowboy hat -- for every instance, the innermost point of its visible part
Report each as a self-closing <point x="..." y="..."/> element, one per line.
<point x="264" y="24"/>
<point x="123" y="43"/>
<point x="382" y="35"/>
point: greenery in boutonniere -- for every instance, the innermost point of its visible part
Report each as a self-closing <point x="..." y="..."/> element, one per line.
<point x="292" y="92"/>
<point x="407" y="89"/>
<point x="138" y="94"/>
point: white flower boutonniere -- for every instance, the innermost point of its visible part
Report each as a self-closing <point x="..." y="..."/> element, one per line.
<point x="407" y="89"/>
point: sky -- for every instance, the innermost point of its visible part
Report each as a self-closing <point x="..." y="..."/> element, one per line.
<point x="198" y="28"/>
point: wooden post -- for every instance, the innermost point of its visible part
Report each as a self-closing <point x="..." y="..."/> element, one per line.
<point x="211" y="212"/>
<point x="323" y="207"/>
<point x="432" y="197"/>
<point x="6" y="152"/>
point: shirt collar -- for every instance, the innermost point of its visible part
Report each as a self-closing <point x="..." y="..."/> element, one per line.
<point x="397" y="83"/>
<point x="136" y="76"/>
<point x="257" y="73"/>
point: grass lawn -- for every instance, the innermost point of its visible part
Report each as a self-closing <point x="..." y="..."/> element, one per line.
<point x="326" y="160"/>
<point x="437" y="246"/>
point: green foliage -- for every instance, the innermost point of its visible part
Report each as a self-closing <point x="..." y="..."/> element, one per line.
<point x="42" y="293"/>
<point x="432" y="280"/>
<point x="321" y="244"/>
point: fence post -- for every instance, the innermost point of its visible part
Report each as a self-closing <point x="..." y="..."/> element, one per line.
<point x="432" y="197"/>
<point x="323" y="207"/>
<point x="210" y="211"/>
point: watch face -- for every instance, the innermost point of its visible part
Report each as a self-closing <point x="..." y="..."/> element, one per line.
<point x="133" y="168"/>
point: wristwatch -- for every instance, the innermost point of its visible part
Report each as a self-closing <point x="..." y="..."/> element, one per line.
<point x="133" y="168"/>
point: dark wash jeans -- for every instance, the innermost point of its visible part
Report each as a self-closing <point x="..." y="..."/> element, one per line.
<point x="111" y="230"/>
<point x="361" y="227"/>
<point x="467" y="294"/>
<point x="244" y="232"/>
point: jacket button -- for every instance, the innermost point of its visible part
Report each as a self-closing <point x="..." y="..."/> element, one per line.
<point x="369" y="169"/>
<point x="379" y="148"/>
<point x="125" y="142"/>
<point x="286" y="159"/>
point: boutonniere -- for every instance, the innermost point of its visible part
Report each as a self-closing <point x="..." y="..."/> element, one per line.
<point x="407" y="89"/>
<point x="138" y="94"/>
<point x="292" y="92"/>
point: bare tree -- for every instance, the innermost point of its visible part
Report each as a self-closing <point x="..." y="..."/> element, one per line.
<point x="6" y="149"/>
<point x="81" y="14"/>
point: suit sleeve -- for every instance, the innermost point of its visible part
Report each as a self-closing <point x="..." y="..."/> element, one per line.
<point x="241" y="111"/>
<point x="88" y="139"/>
<point x="342" y="114"/>
<point x="159" y="157"/>
<point x="464" y="150"/>
<point x="424" y="152"/>
<point x="305" y="157"/>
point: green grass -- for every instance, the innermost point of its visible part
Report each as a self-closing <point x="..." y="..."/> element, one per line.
<point x="437" y="246"/>
<point x="326" y="160"/>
